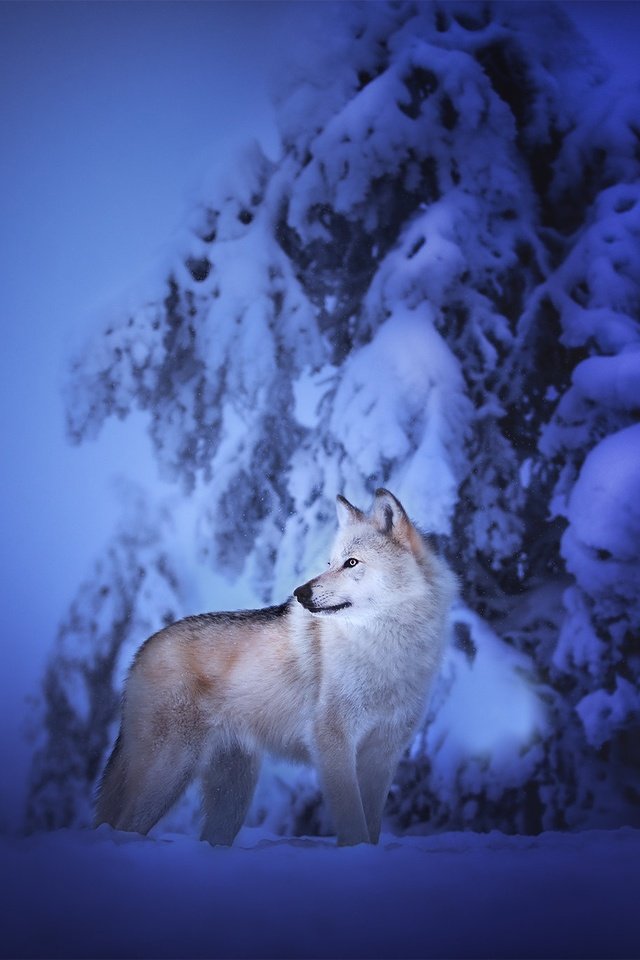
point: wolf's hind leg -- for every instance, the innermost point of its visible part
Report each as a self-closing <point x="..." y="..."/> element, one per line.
<point x="228" y="785"/>
<point x="110" y="797"/>
<point x="148" y="786"/>
<point x="156" y="785"/>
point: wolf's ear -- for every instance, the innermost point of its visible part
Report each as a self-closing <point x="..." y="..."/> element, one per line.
<point x="388" y="513"/>
<point x="390" y="517"/>
<point x="347" y="513"/>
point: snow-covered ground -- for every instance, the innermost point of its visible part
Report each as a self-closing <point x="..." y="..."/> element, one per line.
<point x="101" y="893"/>
<point x="360" y="396"/>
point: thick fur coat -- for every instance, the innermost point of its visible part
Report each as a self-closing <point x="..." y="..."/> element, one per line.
<point x="337" y="676"/>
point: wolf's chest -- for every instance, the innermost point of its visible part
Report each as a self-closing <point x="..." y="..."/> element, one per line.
<point x="386" y="675"/>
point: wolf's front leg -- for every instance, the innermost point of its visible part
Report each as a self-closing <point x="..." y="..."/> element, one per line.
<point x="336" y="762"/>
<point x="376" y="765"/>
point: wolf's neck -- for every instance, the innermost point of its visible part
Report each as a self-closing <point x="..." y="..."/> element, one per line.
<point x="407" y="624"/>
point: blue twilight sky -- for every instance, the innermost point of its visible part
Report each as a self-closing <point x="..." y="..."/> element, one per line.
<point x="109" y="112"/>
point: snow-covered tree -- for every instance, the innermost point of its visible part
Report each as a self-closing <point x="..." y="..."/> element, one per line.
<point x="132" y="591"/>
<point x="435" y="287"/>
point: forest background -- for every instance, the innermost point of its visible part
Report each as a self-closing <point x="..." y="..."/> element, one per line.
<point x="80" y="248"/>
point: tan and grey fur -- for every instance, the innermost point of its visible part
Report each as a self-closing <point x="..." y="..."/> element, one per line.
<point x="338" y="677"/>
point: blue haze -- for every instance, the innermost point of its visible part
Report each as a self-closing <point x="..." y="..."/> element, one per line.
<point x="109" y="112"/>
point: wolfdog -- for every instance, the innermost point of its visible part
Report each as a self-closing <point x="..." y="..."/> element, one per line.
<point x="338" y="677"/>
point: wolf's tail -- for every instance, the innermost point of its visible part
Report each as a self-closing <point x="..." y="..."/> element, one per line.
<point x="110" y="797"/>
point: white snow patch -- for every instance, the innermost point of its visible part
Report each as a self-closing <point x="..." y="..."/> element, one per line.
<point x="308" y="391"/>
<point x="490" y="712"/>
<point x="602" y="543"/>
<point x="525" y="473"/>
<point x="602" y="713"/>
<point x="408" y="384"/>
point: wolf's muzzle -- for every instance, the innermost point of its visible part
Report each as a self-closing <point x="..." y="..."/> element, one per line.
<point x="303" y="594"/>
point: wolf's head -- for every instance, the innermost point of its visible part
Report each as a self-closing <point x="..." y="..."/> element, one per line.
<point x="379" y="560"/>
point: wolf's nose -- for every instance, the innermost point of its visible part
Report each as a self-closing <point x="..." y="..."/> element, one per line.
<point x="303" y="594"/>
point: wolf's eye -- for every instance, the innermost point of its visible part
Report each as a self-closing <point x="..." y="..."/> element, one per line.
<point x="351" y="562"/>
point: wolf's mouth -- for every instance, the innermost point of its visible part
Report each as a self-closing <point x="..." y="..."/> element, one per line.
<point x="339" y="606"/>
